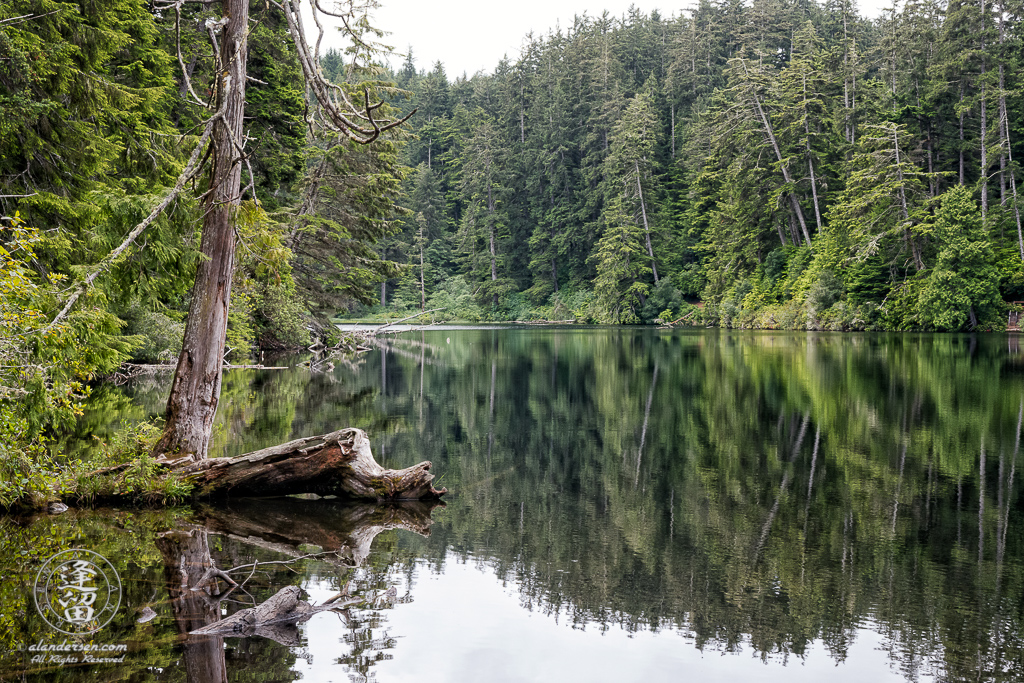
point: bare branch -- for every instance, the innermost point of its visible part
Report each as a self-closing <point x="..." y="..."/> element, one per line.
<point x="382" y="327"/>
<point x="181" y="62"/>
<point x="26" y="17"/>
<point x="339" y="119"/>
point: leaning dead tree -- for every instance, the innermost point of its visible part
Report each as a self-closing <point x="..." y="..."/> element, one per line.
<point x="195" y="390"/>
<point x="220" y="155"/>
<point x="339" y="464"/>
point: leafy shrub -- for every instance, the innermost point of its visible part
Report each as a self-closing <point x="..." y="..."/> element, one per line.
<point x="664" y="297"/>
<point x="516" y="306"/>
<point x="689" y="280"/>
<point x="143" y="481"/>
<point x="44" y="367"/>
<point x="823" y="293"/>
<point x="899" y="311"/>
<point x="789" y="315"/>
<point x="456" y="298"/>
<point x="570" y="304"/>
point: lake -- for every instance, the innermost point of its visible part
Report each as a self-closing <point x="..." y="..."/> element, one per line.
<point x="625" y="504"/>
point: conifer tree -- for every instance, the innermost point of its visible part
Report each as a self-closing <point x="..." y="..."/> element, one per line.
<point x="621" y="261"/>
<point x="962" y="291"/>
<point x="630" y="165"/>
<point x="484" y="223"/>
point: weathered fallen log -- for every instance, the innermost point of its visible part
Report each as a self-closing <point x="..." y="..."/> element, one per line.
<point x="339" y="464"/>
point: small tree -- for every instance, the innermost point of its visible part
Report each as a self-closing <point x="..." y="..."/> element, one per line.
<point x="962" y="291"/>
<point x="622" y="268"/>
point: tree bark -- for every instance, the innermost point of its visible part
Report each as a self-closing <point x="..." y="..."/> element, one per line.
<point x="339" y="464"/>
<point x="810" y="160"/>
<point x="984" y="124"/>
<point x="961" y="147"/>
<point x="490" y="225"/>
<point x="1004" y="127"/>
<point x="423" y="286"/>
<point x="195" y="390"/>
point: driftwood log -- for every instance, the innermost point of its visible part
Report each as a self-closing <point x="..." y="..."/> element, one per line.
<point x="339" y="464"/>
<point x="275" y="619"/>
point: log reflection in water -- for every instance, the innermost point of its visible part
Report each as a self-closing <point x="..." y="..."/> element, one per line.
<point x="286" y="526"/>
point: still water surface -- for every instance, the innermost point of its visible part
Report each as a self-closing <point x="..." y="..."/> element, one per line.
<point x="625" y="505"/>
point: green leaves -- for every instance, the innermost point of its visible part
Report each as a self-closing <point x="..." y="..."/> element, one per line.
<point x="961" y="292"/>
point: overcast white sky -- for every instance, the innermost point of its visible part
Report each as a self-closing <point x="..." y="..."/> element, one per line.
<point x="470" y="35"/>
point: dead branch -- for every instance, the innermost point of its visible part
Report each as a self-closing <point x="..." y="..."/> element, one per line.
<point x="396" y="322"/>
<point x="339" y="115"/>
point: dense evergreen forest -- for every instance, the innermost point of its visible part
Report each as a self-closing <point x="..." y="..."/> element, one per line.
<point x="772" y="164"/>
<point x="789" y="164"/>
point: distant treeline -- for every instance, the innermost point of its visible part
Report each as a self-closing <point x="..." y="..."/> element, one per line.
<point x="790" y="164"/>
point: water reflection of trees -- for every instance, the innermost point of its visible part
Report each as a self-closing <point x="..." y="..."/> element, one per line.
<point x="786" y="488"/>
<point x="661" y="480"/>
<point x="164" y="560"/>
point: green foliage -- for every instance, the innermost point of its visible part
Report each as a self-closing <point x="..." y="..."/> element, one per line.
<point x="764" y="146"/>
<point x="572" y="305"/>
<point x="622" y="270"/>
<point x="783" y="164"/>
<point x="44" y="369"/>
<point x="160" y="335"/>
<point x="900" y="311"/>
<point x="351" y="190"/>
<point x="662" y="303"/>
<point x="457" y="300"/>
<point x="134" y="476"/>
<point x="825" y="292"/>
<point x="962" y="290"/>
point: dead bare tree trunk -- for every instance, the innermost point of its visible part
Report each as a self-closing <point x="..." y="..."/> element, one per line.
<point x="423" y="285"/>
<point x="783" y="164"/>
<point x="195" y="390"/>
<point x="647" y="227"/>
